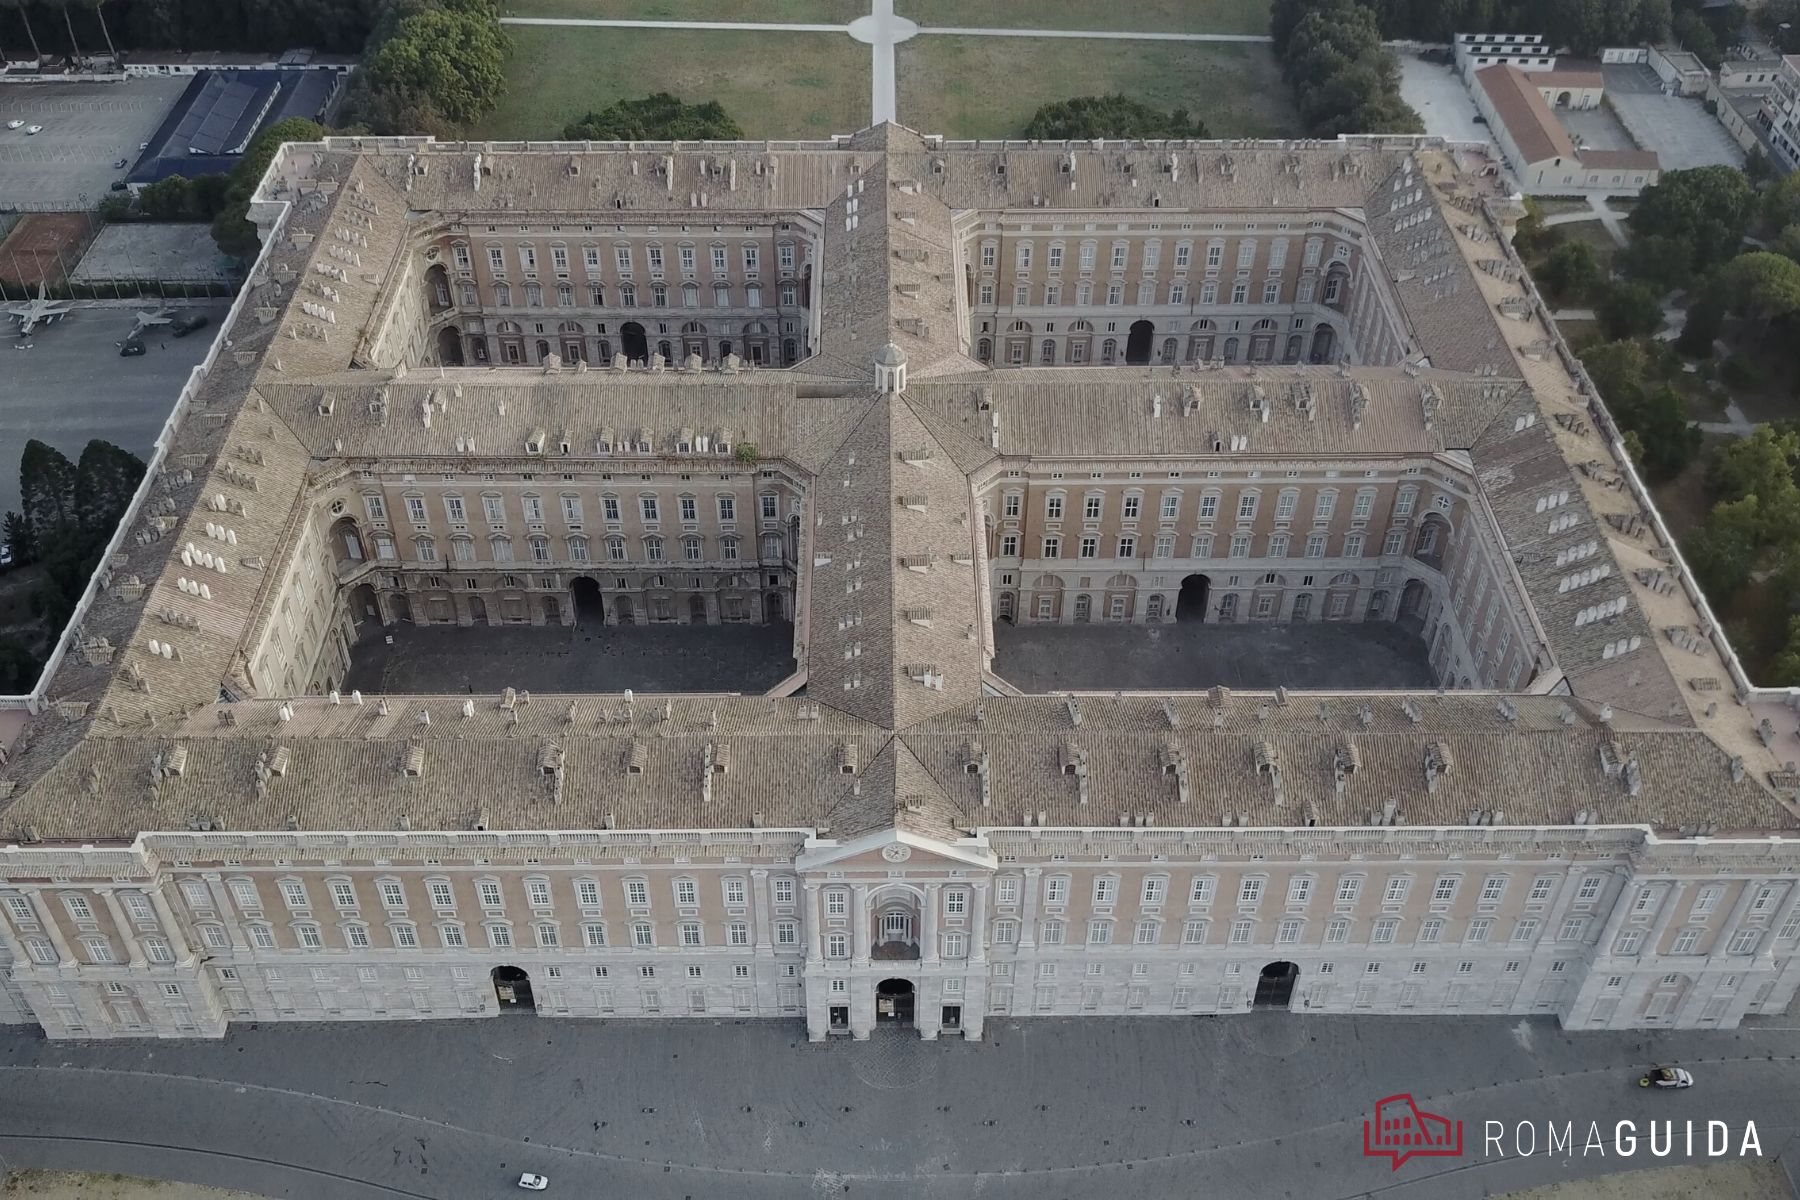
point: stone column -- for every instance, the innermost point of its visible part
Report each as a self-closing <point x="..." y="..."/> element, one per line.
<point x="859" y="932"/>
<point x="170" y="925"/>
<point x="1766" y="954"/>
<point x="978" y="933"/>
<point x="51" y="930"/>
<point x="133" y="952"/>
<point x="928" y="934"/>
<point x="1028" y="909"/>
<point x="222" y="901"/>
<point x="1609" y="933"/>
<point x="815" y="947"/>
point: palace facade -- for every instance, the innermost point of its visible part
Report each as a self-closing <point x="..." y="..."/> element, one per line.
<point x="888" y="391"/>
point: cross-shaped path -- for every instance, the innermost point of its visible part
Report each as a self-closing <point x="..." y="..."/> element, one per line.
<point x="882" y="30"/>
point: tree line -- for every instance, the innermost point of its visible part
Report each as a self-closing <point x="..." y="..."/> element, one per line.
<point x="1344" y="79"/>
<point x="83" y="28"/>
<point x="1583" y="26"/>
<point x="70" y="510"/>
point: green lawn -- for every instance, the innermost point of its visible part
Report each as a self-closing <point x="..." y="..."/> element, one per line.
<point x="1162" y="16"/>
<point x="988" y="87"/>
<point x="800" y="12"/>
<point x="775" y="85"/>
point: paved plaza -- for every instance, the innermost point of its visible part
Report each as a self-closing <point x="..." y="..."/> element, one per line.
<point x="1437" y="94"/>
<point x="555" y="659"/>
<point x="1264" y="1105"/>
<point x="87" y="128"/>
<point x="165" y="252"/>
<point x="66" y="383"/>
<point x="1680" y="130"/>
<point x="1323" y="656"/>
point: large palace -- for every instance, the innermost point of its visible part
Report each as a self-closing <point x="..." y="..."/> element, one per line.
<point x="922" y="411"/>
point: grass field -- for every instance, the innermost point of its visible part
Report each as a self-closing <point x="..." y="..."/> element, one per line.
<point x="798" y="12"/>
<point x="986" y="87"/>
<point x="1163" y="16"/>
<point x="775" y="85"/>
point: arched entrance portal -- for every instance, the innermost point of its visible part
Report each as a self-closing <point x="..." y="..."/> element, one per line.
<point x="894" y="1002"/>
<point x="631" y="340"/>
<point x="1324" y="343"/>
<point x="1275" y="986"/>
<point x="1412" y="603"/>
<point x="363" y="606"/>
<point x="512" y="988"/>
<point x="1137" y="346"/>
<point x="590" y="607"/>
<point x="450" y="350"/>
<point x="1191" y="606"/>
<point x="773" y="610"/>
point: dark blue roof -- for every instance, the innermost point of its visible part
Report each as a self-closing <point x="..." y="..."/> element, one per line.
<point x="220" y="113"/>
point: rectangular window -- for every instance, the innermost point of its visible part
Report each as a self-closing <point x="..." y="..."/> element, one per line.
<point x="489" y="893"/>
<point x="1250" y="890"/>
<point x="441" y="896"/>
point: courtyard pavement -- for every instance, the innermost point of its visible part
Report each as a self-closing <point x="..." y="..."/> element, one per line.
<point x="1313" y="656"/>
<point x="1680" y="130"/>
<point x="87" y="127"/>
<point x="441" y="660"/>
<point x="66" y="383"/>
<point x="1437" y="94"/>
<point x="1263" y="1105"/>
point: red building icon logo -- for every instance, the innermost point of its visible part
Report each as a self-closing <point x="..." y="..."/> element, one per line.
<point x="1400" y="1131"/>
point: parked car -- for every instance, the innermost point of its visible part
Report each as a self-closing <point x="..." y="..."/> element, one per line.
<point x="118" y="185"/>
<point x="131" y="347"/>
<point x="15" y="124"/>
<point x="5" y="555"/>
<point x="34" y="129"/>
<point x="187" y="323"/>
<point x="533" y="1183"/>
<point x="121" y="164"/>
<point x="1666" y="1077"/>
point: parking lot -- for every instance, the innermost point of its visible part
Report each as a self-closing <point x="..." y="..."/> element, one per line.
<point x="1680" y="130"/>
<point x="66" y="383"/>
<point x="87" y="128"/>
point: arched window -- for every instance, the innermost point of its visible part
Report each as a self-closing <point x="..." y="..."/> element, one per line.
<point x="659" y="295"/>
<point x="469" y="296"/>
<point x="502" y="295"/>
<point x="627" y="296"/>
<point x="565" y="295"/>
<point x="653" y="548"/>
<point x="596" y="293"/>
<point x="534" y="295"/>
<point x="690" y="295"/>
<point x="984" y="350"/>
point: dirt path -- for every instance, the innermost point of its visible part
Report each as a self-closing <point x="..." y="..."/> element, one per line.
<point x="1754" y="1179"/>
<point x="74" y="1185"/>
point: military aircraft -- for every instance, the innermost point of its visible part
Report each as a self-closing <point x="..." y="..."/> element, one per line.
<point x="40" y="311"/>
<point x="160" y="316"/>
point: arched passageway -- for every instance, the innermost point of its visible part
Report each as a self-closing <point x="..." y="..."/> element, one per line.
<point x="590" y="605"/>
<point x="1137" y="345"/>
<point x="1191" y="606"/>
<point x="632" y="342"/>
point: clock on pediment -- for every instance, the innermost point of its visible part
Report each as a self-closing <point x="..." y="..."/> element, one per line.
<point x="896" y="852"/>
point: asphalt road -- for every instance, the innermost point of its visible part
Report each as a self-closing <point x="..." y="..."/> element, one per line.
<point x="1264" y="1105"/>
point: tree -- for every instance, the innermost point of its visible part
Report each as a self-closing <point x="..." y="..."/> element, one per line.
<point x="1701" y="214"/>
<point x="168" y="199"/>
<point x="455" y="55"/>
<point x="1617" y="369"/>
<point x="1668" y="440"/>
<point x="1088" y="117"/>
<point x="656" y="118"/>
<point x="1705" y="320"/>
<point x="1571" y="271"/>
<point x="1723" y="552"/>
<point x="1344" y="79"/>
<point x="105" y="479"/>
<point x="46" y="488"/>
<point x="16" y="536"/>
<point x="1784" y="669"/>
<point x="232" y="230"/>
<point x="22" y="7"/>
<point x="1629" y="310"/>
<point x="1763" y="287"/>
<point x="19" y="667"/>
<point x="1692" y="31"/>
<point x="1760" y="465"/>
<point x="99" y="7"/>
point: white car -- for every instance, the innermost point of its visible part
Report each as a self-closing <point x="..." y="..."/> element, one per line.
<point x="34" y="129"/>
<point x="1667" y="1077"/>
<point x="14" y="124"/>
<point x="533" y="1183"/>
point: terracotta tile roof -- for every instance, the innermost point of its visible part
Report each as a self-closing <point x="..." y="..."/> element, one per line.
<point x="1534" y="128"/>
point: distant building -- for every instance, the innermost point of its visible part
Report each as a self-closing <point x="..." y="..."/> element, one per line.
<point x="220" y="114"/>
<point x="1475" y="51"/>
<point x="1780" y="114"/>
<point x="1537" y="148"/>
